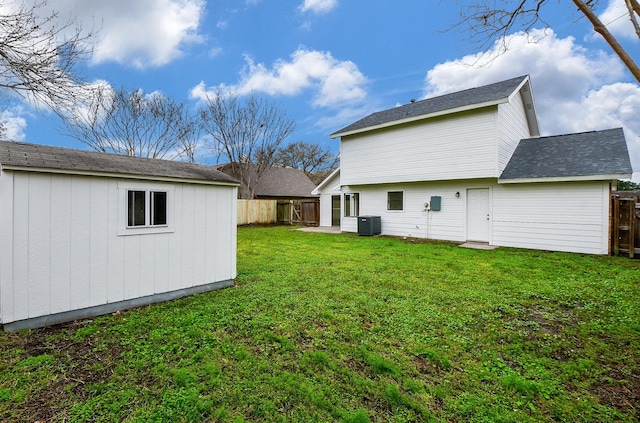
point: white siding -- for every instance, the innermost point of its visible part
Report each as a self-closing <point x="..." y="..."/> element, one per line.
<point x="570" y="217"/>
<point x="460" y="146"/>
<point x="330" y="188"/>
<point x="6" y="244"/>
<point x="60" y="248"/>
<point x="512" y="127"/>
<point x="414" y="221"/>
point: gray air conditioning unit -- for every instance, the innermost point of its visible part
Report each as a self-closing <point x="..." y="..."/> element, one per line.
<point x="369" y="225"/>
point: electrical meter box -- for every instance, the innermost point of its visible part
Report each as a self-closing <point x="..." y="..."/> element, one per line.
<point x="435" y="202"/>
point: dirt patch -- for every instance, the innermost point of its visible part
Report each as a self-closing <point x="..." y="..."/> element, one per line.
<point x="619" y="391"/>
<point x="75" y="363"/>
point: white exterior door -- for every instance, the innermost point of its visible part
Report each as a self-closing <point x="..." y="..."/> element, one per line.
<point x="478" y="208"/>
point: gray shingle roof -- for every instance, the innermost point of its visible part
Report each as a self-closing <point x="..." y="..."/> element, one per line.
<point x="284" y="182"/>
<point x="22" y="155"/>
<point x="594" y="153"/>
<point x="484" y="94"/>
<point x="280" y="182"/>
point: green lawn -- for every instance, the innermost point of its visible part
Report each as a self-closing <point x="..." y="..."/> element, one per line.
<point x="355" y="329"/>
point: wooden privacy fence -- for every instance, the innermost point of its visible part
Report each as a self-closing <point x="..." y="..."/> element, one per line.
<point x="299" y="212"/>
<point x="625" y="223"/>
<point x="283" y="212"/>
<point x="262" y="212"/>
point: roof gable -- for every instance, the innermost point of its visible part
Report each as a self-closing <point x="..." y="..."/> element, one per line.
<point x="44" y="158"/>
<point x="333" y="176"/>
<point x="581" y="156"/>
<point x="461" y="100"/>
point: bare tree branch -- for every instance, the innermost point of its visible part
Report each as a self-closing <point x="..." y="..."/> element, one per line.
<point x="492" y="20"/>
<point x="38" y="57"/>
<point x="246" y="133"/>
<point x="601" y="29"/>
<point x="132" y="123"/>
<point x="634" y="9"/>
<point x="315" y="161"/>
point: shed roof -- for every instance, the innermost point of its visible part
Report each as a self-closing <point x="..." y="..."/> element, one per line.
<point x="599" y="154"/>
<point x="45" y="158"/>
<point x="492" y="93"/>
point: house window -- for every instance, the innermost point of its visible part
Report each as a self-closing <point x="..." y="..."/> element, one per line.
<point x="395" y="200"/>
<point x="351" y="205"/>
<point x="146" y="208"/>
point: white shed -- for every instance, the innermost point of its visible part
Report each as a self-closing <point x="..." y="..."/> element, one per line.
<point x="85" y="233"/>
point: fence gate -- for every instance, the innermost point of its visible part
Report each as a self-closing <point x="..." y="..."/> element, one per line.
<point x="299" y="212"/>
<point x="625" y="223"/>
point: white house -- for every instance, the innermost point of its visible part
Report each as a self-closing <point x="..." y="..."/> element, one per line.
<point x="471" y="166"/>
<point x="85" y="233"/>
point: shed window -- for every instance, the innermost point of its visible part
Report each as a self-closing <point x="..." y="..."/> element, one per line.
<point x="158" y="208"/>
<point x="136" y="207"/>
<point x="395" y="200"/>
<point x="351" y="205"/>
<point x="146" y="208"/>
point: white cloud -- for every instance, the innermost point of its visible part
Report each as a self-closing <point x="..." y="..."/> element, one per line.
<point x="141" y="33"/>
<point x="616" y="18"/>
<point x="318" y="6"/>
<point x="216" y="51"/>
<point x="574" y="89"/>
<point x="13" y="124"/>
<point x="336" y="82"/>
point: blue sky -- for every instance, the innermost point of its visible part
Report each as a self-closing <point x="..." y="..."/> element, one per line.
<point x="330" y="62"/>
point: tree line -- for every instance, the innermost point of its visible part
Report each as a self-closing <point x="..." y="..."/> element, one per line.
<point x="248" y="133"/>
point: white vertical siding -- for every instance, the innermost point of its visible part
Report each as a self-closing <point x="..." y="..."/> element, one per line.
<point x="571" y="217"/>
<point x="20" y="291"/>
<point x="98" y="242"/>
<point x="199" y="237"/>
<point x="61" y="250"/>
<point x="187" y="235"/>
<point x="60" y="229"/>
<point x="79" y="209"/>
<point x="6" y="245"/>
<point x="460" y="146"/>
<point x="38" y="238"/>
<point x="117" y="252"/>
<point x="512" y="126"/>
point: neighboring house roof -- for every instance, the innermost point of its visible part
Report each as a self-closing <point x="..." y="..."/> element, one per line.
<point x="449" y="103"/>
<point x="280" y="182"/>
<point x="582" y="156"/>
<point x="44" y="158"/>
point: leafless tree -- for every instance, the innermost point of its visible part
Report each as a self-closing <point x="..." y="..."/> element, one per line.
<point x="135" y="124"/>
<point x="491" y="20"/>
<point x="39" y="55"/>
<point x="315" y="161"/>
<point x="246" y="133"/>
